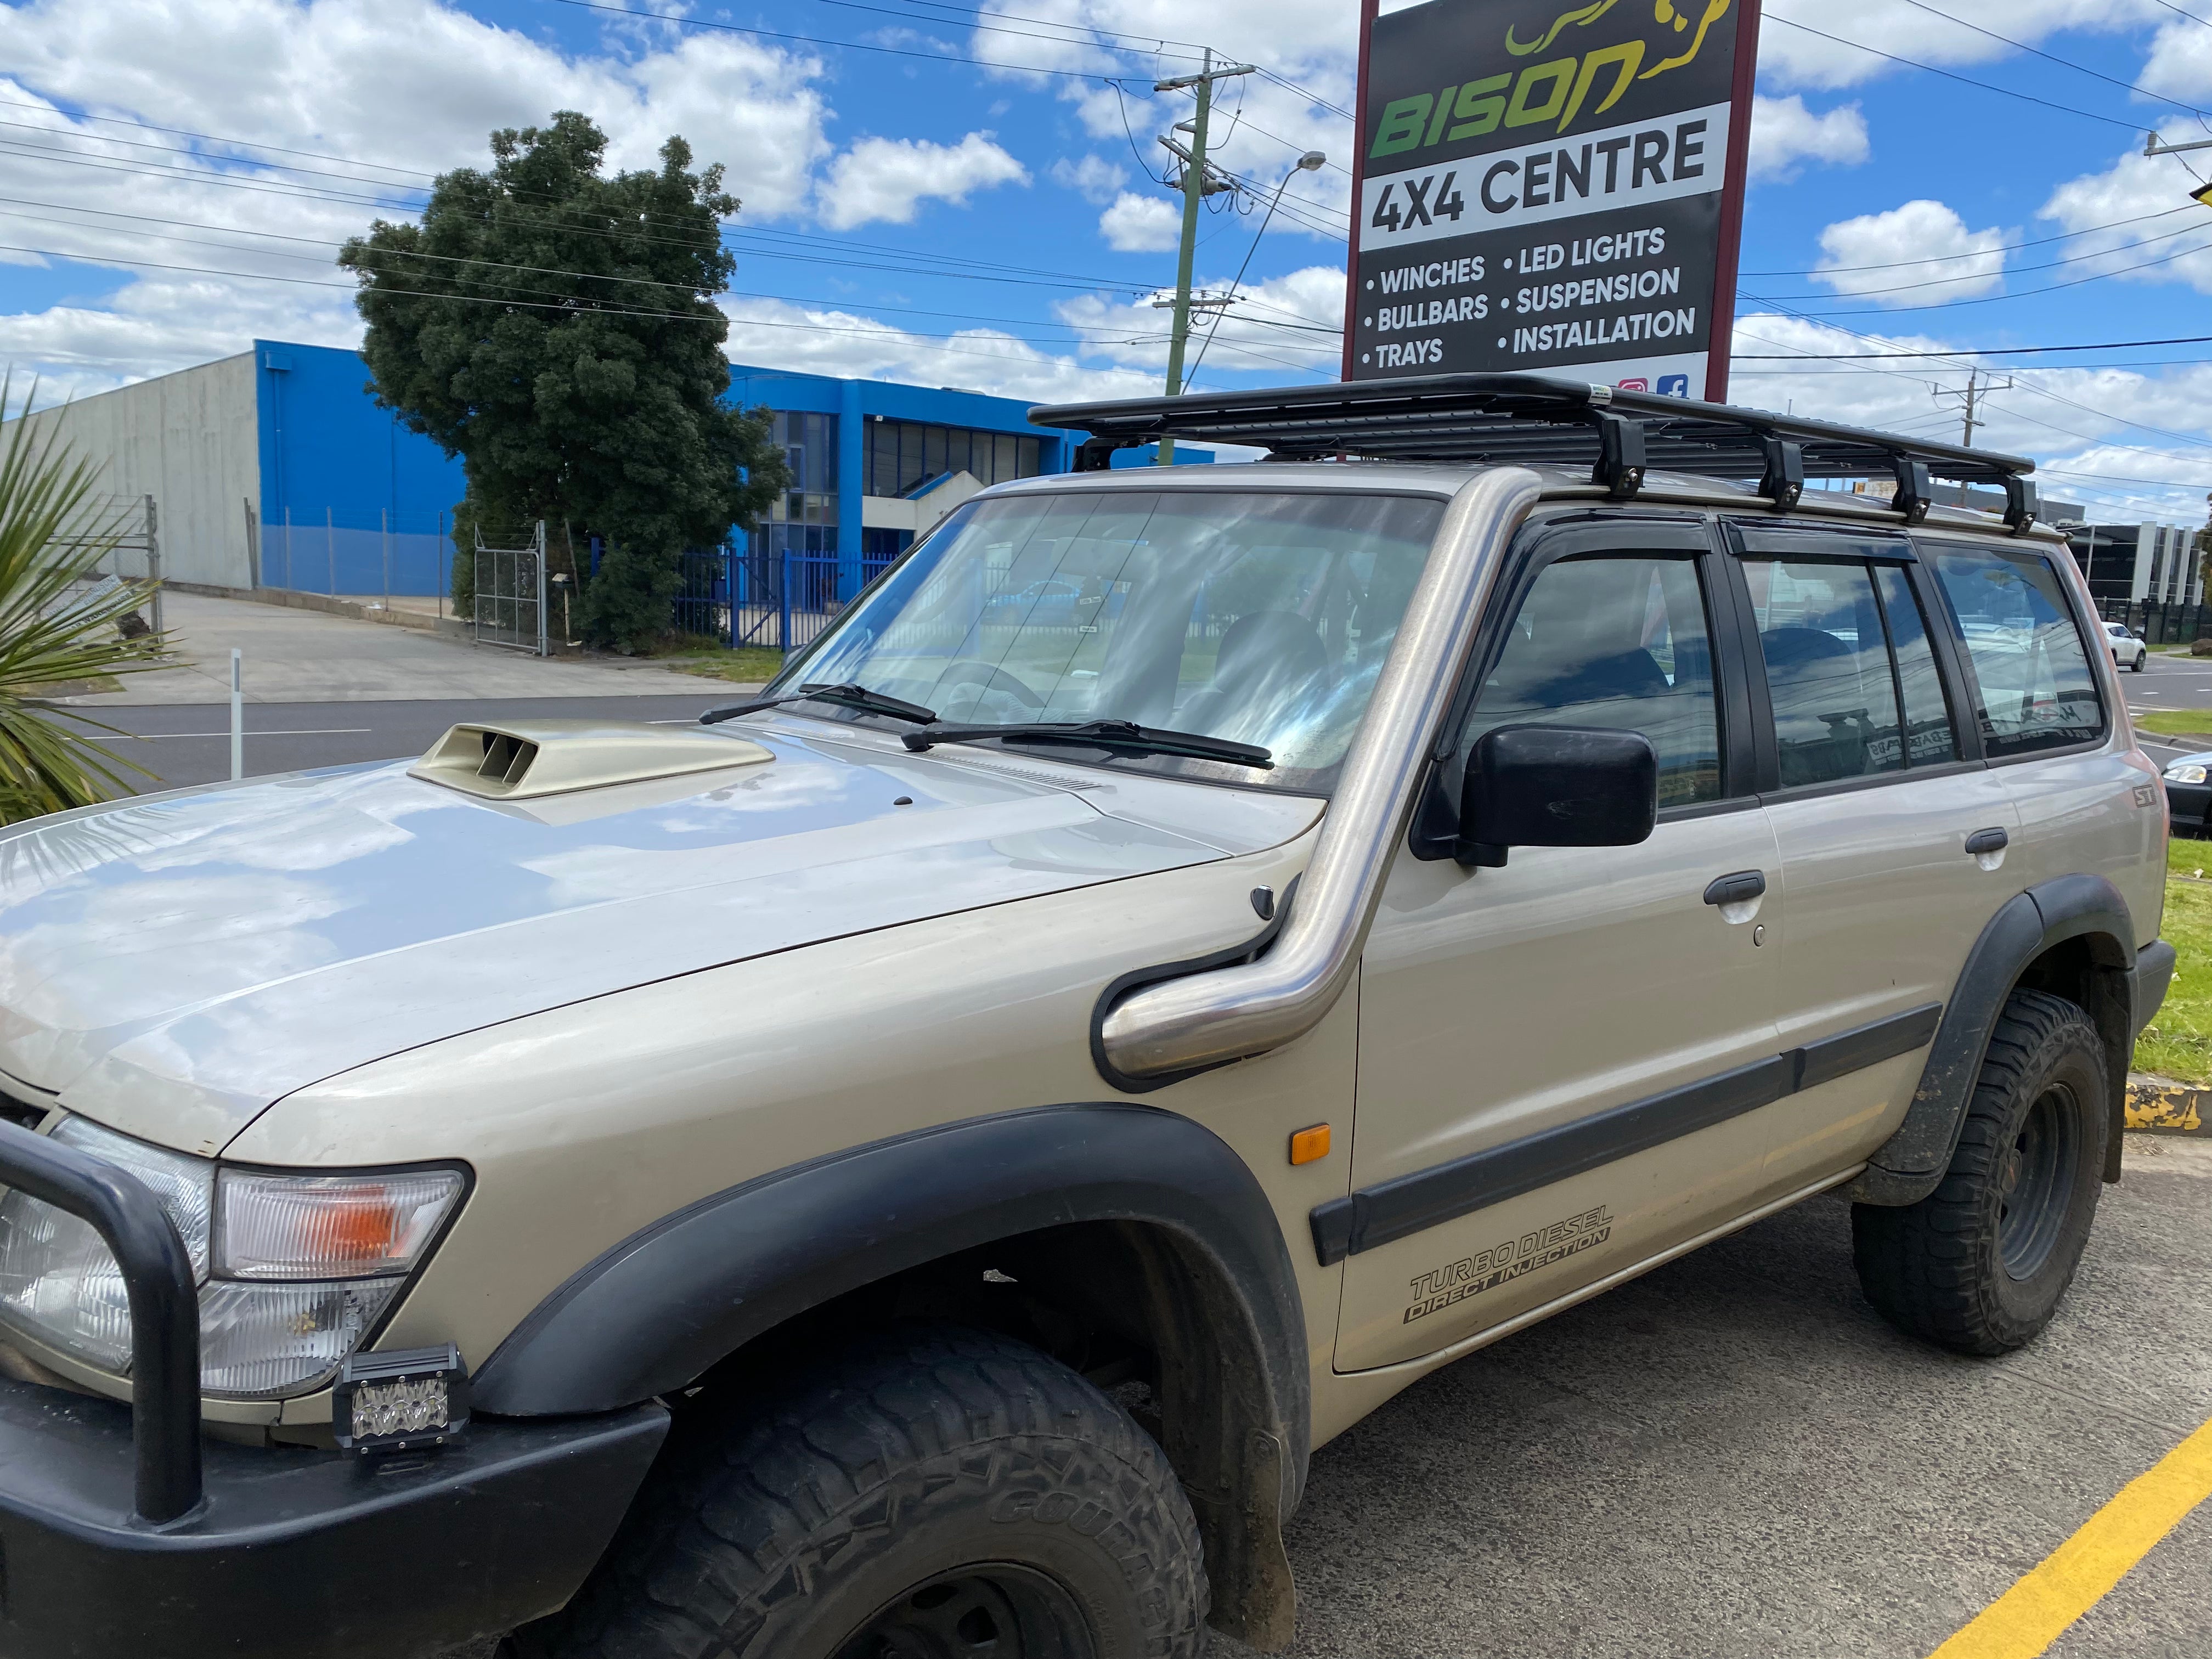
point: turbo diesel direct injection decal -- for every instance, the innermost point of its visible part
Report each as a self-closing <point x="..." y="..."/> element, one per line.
<point x="1471" y="1275"/>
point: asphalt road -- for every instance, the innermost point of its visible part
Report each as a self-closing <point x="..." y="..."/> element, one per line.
<point x="190" y="743"/>
<point x="1734" y="1458"/>
<point x="2170" y="683"/>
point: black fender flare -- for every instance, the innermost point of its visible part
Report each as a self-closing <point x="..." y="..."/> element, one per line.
<point x="655" y="1312"/>
<point x="1911" y="1163"/>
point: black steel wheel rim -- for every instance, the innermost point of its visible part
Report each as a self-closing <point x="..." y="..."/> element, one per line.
<point x="992" y="1610"/>
<point x="2035" y="1181"/>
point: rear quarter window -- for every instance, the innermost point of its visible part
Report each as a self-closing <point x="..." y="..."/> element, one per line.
<point x="2034" y="688"/>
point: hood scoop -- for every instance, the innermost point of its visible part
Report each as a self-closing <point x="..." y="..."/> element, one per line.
<point x="521" y="760"/>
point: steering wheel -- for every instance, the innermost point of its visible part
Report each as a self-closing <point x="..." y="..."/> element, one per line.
<point x="987" y="678"/>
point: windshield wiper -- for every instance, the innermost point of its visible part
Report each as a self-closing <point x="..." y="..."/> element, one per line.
<point x="1114" y="736"/>
<point x="851" y="697"/>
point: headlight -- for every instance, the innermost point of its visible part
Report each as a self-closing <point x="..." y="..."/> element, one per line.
<point x="293" y="1269"/>
<point x="2190" y="774"/>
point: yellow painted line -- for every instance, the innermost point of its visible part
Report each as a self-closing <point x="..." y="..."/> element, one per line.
<point x="2036" y="1611"/>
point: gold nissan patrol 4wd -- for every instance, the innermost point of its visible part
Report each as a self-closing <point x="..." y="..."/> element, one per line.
<point x="916" y="1162"/>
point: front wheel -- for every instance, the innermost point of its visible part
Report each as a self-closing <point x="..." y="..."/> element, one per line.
<point x="2137" y="667"/>
<point x="928" y="1492"/>
<point x="1979" y="1264"/>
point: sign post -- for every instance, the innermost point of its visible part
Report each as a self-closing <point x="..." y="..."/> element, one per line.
<point x="1547" y="187"/>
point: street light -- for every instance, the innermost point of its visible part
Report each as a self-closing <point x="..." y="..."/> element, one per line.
<point x="1312" y="161"/>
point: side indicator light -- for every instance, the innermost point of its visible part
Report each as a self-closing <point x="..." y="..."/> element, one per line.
<point x="1309" y="1146"/>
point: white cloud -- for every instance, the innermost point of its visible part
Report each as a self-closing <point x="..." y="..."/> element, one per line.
<point x="888" y="178"/>
<point x="411" y="85"/>
<point x="1094" y="178"/>
<point x="1783" y="133"/>
<point x="819" y="340"/>
<point x="1140" y="224"/>
<point x="1287" y="322"/>
<point x="2088" y="457"/>
<point x="2163" y="246"/>
<point x="1903" y="30"/>
<point x="1891" y="256"/>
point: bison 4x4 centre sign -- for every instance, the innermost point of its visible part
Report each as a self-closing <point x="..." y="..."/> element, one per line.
<point x="1550" y="188"/>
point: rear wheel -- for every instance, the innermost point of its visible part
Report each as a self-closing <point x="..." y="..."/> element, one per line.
<point x="1979" y="1264"/>
<point x="931" y="1491"/>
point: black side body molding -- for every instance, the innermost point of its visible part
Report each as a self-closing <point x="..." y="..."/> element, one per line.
<point x="1911" y="1164"/>
<point x="1392" y="1210"/>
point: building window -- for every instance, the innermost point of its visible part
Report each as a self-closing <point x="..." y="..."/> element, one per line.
<point x="902" y="455"/>
<point x="804" y="519"/>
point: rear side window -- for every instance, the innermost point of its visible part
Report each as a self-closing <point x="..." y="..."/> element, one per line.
<point x="2035" y="690"/>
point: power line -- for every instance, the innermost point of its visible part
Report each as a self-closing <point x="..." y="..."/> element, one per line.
<point x="1909" y="63"/>
<point x="186" y="132"/>
<point x="816" y="41"/>
<point x="567" y="303"/>
<point x="1315" y="98"/>
<point x="2064" y="63"/>
<point x="2007" y="247"/>
<point x="2101" y="414"/>
<point x="1995" y="299"/>
<point x="1966" y="351"/>
<point x="2015" y="271"/>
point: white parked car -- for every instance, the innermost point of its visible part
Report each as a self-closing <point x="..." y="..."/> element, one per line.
<point x="2128" y="649"/>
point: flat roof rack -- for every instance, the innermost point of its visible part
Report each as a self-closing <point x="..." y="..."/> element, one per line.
<point x="1493" y="419"/>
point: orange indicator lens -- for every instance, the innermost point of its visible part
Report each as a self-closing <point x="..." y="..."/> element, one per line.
<point x="1308" y="1145"/>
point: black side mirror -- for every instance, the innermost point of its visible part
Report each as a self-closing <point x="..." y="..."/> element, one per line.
<point x="1556" y="785"/>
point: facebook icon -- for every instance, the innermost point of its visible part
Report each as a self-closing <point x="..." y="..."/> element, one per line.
<point x="1673" y="386"/>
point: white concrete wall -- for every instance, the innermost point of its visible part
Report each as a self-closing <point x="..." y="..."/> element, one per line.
<point x="189" y="440"/>
<point x="921" y="512"/>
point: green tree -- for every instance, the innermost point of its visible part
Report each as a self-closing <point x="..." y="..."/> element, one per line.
<point x="553" y="327"/>
<point x="53" y="534"/>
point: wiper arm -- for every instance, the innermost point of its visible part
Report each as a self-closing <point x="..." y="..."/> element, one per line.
<point x="1116" y="736"/>
<point x="851" y="697"/>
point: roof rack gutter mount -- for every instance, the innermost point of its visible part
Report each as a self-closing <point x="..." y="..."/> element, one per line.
<point x="1619" y="455"/>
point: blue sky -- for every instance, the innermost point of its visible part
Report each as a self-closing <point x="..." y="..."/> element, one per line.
<point x="992" y="225"/>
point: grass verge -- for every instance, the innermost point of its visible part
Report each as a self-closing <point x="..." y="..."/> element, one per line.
<point x="748" y="664"/>
<point x="2175" y="722"/>
<point x="2178" y="1044"/>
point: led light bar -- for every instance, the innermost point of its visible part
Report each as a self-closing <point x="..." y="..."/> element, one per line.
<point x="407" y="1401"/>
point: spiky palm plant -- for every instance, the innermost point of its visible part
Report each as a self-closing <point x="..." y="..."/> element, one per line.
<point x="53" y="534"/>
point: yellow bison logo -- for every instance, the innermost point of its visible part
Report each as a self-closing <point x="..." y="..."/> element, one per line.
<point x="1557" y="89"/>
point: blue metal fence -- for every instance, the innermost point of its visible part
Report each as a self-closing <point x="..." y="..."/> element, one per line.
<point x="359" y="553"/>
<point x="782" y="600"/>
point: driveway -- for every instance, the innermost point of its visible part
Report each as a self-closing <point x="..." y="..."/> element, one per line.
<point x="306" y="656"/>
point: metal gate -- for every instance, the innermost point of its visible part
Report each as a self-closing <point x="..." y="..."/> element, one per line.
<point x="511" y="594"/>
<point x="702" y="605"/>
<point x="124" y="532"/>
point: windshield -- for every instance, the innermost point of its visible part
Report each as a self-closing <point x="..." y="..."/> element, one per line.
<point x="1263" y="618"/>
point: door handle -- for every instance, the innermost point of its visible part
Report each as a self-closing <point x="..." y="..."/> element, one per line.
<point x="1740" y="888"/>
<point x="1987" y="841"/>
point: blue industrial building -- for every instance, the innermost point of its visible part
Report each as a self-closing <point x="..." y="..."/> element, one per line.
<point x="276" y="468"/>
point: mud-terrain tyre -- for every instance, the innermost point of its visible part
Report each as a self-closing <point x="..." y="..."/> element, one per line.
<point x="1979" y="1264"/>
<point x="930" y="1491"/>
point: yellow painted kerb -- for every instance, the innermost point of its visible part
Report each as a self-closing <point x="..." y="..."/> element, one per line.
<point x="2155" y="1106"/>
<point x="2036" y="1611"/>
